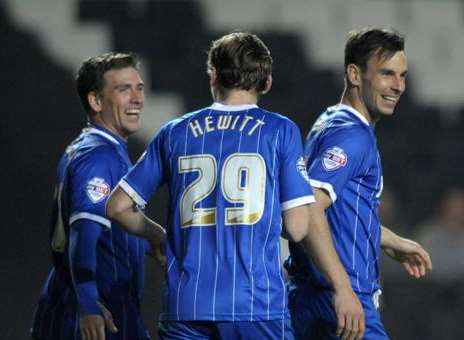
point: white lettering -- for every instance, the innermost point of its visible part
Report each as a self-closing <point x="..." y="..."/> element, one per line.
<point x="235" y="122"/>
<point x="258" y="123"/>
<point x="245" y="122"/>
<point x="208" y="122"/>
<point x="196" y="128"/>
<point x="224" y="122"/>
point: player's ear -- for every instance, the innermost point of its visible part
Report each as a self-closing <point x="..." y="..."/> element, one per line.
<point x="353" y="74"/>
<point x="212" y="76"/>
<point x="94" y="101"/>
<point x="268" y="85"/>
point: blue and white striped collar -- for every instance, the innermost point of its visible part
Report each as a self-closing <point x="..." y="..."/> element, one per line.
<point x="222" y="107"/>
<point x="352" y="110"/>
<point x="101" y="131"/>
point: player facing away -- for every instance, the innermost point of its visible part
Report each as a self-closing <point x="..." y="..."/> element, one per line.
<point x="96" y="265"/>
<point x="235" y="171"/>
<point x="345" y="172"/>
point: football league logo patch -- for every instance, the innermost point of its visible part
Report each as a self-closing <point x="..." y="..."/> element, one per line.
<point x="301" y="167"/>
<point x="97" y="189"/>
<point x="334" y="158"/>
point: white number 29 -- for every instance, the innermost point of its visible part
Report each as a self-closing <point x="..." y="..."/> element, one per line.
<point x="243" y="183"/>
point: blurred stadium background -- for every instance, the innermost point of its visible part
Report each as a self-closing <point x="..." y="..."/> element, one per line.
<point x="44" y="41"/>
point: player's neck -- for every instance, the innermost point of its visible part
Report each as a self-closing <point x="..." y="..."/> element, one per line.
<point x="238" y="97"/>
<point x="99" y="121"/>
<point x="351" y="98"/>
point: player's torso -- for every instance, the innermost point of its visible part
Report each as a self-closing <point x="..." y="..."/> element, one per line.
<point x="353" y="217"/>
<point x="119" y="255"/>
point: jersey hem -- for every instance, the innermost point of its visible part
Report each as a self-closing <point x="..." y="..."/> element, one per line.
<point x="326" y="186"/>
<point x="85" y="215"/>
<point x="297" y="202"/>
<point x="132" y="193"/>
<point x="224" y="317"/>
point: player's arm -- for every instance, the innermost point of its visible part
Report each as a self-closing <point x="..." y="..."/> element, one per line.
<point x="121" y="208"/>
<point x="414" y="258"/>
<point x="317" y="242"/>
<point x="94" y="317"/>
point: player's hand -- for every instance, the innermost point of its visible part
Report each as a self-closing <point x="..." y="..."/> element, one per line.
<point x="93" y="326"/>
<point x="350" y="315"/>
<point x="415" y="259"/>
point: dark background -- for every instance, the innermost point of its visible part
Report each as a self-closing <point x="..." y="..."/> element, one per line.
<point x="422" y="153"/>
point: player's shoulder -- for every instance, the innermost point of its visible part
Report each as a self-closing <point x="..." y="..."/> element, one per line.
<point x="278" y="118"/>
<point x="93" y="147"/>
<point x="182" y="120"/>
<point x="343" y="121"/>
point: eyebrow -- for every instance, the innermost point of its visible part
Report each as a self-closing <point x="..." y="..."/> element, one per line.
<point x="127" y="85"/>
<point x="391" y="71"/>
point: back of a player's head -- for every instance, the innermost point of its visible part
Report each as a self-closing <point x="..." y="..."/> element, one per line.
<point x="90" y="76"/>
<point x="366" y="42"/>
<point x="241" y="61"/>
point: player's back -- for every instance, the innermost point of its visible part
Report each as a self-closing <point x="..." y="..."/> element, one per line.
<point x="231" y="170"/>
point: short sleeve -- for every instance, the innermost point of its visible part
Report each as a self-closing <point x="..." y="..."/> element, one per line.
<point x="341" y="155"/>
<point x="146" y="176"/>
<point x="293" y="178"/>
<point x="92" y="177"/>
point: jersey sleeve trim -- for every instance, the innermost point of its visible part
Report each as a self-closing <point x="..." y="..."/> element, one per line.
<point x="85" y="215"/>
<point x="132" y="193"/>
<point x="326" y="186"/>
<point x="297" y="202"/>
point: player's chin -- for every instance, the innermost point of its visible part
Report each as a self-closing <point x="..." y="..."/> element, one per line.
<point x="387" y="108"/>
<point x="133" y="125"/>
<point x="387" y="111"/>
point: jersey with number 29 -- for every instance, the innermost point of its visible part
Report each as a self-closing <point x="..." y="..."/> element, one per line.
<point x="231" y="171"/>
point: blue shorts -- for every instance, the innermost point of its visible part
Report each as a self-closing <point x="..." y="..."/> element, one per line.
<point x="313" y="316"/>
<point x="226" y="330"/>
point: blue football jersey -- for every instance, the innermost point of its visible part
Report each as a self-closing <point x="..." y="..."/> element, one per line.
<point x="343" y="159"/>
<point x="231" y="171"/>
<point x="91" y="166"/>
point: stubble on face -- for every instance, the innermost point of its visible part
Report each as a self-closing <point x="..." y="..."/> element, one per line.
<point x="122" y="101"/>
<point x="383" y="83"/>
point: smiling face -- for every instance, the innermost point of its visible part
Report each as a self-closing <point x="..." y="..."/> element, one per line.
<point x="381" y="85"/>
<point x="119" y="104"/>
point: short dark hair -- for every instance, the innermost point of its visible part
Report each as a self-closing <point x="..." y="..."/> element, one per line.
<point x="90" y="74"/>
<point x="241" y="60"/>
<point x="369" y="41"/>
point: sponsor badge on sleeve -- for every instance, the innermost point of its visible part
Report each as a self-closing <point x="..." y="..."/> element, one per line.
<point x="334" y="158"/>
<point x="97" y="189"/>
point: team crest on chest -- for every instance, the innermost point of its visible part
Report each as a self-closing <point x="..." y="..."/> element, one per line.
<point x="334" y="158"/>
<point x="97" y="189"/>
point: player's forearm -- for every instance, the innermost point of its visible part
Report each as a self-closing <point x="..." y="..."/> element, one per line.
<point x="388" y="238"/>
<point x="135" y="222"/>
<point x="318" y="244"/>
<point x="122" y="209"/>
<point x="83" y="240"/>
